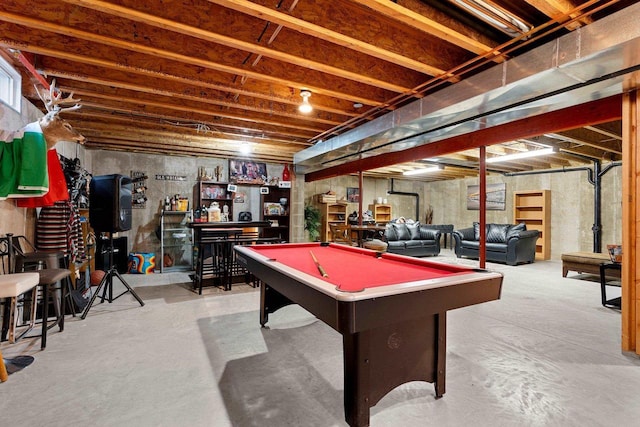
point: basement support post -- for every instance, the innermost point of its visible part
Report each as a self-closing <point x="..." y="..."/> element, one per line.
<point x="360" y="193"/>
<point x="483" y="206"/>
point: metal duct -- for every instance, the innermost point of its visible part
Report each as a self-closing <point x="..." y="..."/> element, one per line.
<point x="588" y="64"/>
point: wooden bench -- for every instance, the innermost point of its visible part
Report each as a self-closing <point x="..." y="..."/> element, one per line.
<point x="586" y="262"/>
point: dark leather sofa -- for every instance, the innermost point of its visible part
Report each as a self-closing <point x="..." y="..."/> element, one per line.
<point x="412" y="239"/>
<point x="506" y="243"/>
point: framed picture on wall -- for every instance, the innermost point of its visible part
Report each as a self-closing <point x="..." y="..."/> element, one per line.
<point x="353" y="194"/>
<point x="496" y="197"/>
<point x="247" y="172"/>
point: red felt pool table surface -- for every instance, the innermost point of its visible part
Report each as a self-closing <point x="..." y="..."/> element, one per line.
<point x="353" y="269"/>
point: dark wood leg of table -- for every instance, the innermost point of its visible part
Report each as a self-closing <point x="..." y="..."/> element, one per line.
<point x="270" y="301"/>
<point x="441" y="353"/>
<point x="377" y="361"/>
<point x="264" y="316"/>
<point x="356" y="379"/>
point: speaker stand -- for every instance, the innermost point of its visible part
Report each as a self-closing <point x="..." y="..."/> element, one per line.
<point x="106" y="284"/>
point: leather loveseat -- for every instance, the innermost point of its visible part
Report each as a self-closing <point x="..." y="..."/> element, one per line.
<point x="413" y="239"/>
<point x="507" y="243"/>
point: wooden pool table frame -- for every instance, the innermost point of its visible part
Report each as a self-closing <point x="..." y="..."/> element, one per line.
<point x="391" y="334"/>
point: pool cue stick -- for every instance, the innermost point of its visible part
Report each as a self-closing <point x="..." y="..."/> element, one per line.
<point x="320" y="269"/>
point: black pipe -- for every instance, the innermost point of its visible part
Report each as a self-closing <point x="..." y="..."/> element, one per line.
<point x="402" y="193"/>
<point x="597" y="203"/>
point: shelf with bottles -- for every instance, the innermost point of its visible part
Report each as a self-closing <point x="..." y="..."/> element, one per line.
<point x="139" y="189"/>
<point x="208" y="192"/>
<point x="176" y="203"/>
<point x="213" y="213"/>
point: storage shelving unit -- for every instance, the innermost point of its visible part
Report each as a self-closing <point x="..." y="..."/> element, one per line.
<point x="176" y="240"/>
<point x="534" y="209"/>
<point x="275" y="208"/>
<point x="332" y="213"/>
<point x="382" y="213"/>
<point x="207" y="192"/>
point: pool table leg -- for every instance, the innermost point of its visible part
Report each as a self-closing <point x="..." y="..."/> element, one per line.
<point x="378" y="360"/>
<point x="270" y="301"/>
<point x="441" y="353"/>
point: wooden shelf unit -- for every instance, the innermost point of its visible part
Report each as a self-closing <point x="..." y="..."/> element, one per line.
<point x="207" y="192"/>
<point x="274" y="199"/>
<point x="332" y="213"/>
<point x="534" y="209"/>
<point x="382" y="213"/>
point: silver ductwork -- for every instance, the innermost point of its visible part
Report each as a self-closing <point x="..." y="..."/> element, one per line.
<point x="591" y="63"/>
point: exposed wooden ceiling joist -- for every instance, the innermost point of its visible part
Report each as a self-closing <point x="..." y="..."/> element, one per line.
<point x="234" y="69"/>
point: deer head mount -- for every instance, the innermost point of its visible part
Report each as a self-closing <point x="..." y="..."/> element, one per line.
<point x="54" y="127"/>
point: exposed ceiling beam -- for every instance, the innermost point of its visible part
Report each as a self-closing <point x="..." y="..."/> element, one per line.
<point x="266" y="13"/>
<point x="409" y="17"/>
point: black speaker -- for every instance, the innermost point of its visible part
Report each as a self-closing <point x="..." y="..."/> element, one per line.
<point x="110" y="203"/>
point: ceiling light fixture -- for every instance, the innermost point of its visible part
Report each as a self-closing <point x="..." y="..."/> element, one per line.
<point x="522" y="155"/>
<point x="305" y="107"/>
<point x="422" y="170"/>
<point x="494" y="16"/>
<point x="245" y="148"/>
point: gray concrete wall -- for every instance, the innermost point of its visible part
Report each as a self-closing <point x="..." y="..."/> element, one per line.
<point x="142" y="236"/>
<point x="572" y="203"/>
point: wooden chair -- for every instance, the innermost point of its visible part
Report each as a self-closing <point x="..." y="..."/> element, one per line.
<point x="341" y="233"/>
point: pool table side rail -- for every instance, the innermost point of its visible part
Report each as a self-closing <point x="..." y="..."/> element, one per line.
<point x="245" y="253"/>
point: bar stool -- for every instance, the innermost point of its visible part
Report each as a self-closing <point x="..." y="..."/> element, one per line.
<point x="217" y="244"/>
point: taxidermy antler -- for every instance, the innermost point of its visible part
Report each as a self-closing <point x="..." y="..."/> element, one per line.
<point x="55" y="128"/>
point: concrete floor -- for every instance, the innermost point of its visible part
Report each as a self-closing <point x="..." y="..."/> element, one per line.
<point x="546" y="354"/>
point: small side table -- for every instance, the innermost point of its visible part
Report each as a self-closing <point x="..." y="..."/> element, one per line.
<point x="446" y="231"/>
<point x="614" y="302"/>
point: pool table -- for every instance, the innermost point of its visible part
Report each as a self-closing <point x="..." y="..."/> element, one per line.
<point x="390" y="309"/>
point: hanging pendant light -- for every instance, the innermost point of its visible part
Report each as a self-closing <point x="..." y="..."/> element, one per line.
<point x="305" y="107"/>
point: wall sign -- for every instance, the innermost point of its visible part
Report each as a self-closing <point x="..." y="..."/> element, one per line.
<point x="171" y="177"/>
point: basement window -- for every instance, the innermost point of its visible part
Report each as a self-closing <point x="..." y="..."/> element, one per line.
<point x="10" y="85"/>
